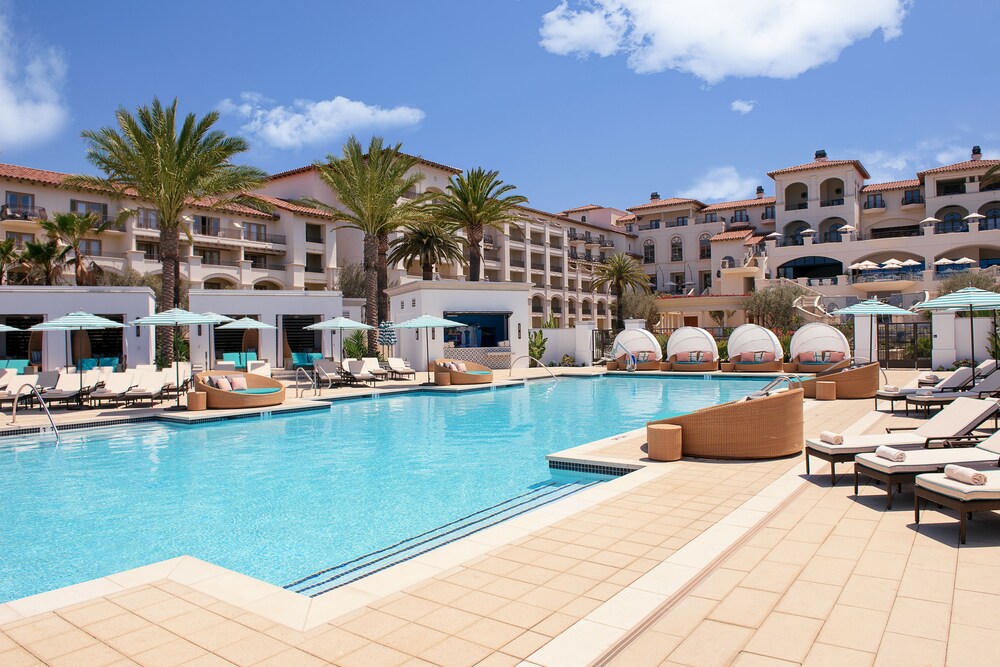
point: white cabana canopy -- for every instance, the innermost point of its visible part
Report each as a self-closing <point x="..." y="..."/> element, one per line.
<point x="818" y="337"/>
<point x="753" y="338"/>
<point x="692" y="339"/>
<point x="638" y="342"/>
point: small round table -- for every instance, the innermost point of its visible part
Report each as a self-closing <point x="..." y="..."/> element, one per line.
<point x="442" y="378"/>
<point x="197" y="400"/>
<point x="663" y="442"/>
<point x="826" y="391"/>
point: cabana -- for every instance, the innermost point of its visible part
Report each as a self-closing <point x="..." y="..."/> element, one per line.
<point x="258" y="392"/>
<point x="754" y="349"/>
<point x="640" y="345"/>
<point x="691" y="349"/>
<point x="818" y="347"/>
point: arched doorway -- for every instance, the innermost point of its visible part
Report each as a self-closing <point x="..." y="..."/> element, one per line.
<point x="811" y="267"/>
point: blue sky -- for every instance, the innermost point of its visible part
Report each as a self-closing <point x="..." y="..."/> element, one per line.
<point x="588" y="101"/>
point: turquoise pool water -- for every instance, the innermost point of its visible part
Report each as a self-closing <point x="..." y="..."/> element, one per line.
<point x="283" y="497"/>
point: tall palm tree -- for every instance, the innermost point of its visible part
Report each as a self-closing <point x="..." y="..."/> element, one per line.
<point x="71" y="230"/>
<point x="475" y="200"/>
<point x="9" y="257"/>
<point x="620" y="273"/>
<point x="148" y="158"/>
<point x="429" y="243"/>
<point x="990" y="178"/>
<point x="44" y="261"/>
<point x="371" y="188"/>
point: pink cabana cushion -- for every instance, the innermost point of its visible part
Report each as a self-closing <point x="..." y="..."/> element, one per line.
<point x="238" y="382"/>
<point x="837" y="356"/>
<point x="223" y="384"/>
<point x="461" y="367"/>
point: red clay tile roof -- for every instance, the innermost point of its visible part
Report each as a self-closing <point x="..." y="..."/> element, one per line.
<point x="310" y="167"/>
<point x="732" y="235"/>
<point x="891" y="185"/>
<point x="820" y="164"/>
<point x="625" y="218"/>
<point x="742" y="203"/>
<point x="754" y="240"/>
<point x="580" y="209"/>
<point x="295" y="208"/>
<point x="669" y="201"/>
<point x="959" y="166"/>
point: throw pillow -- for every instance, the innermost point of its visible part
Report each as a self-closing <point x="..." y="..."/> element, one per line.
<point x="238" y="382"/>
<point x="693" y="356"/>
<point x="223" y="384"/>
<point x="461" y="367"/>
<point x="758" y="356"/>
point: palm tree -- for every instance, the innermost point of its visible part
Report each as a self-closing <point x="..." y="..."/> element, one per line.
<point x="372" y="190"/>
<point x="9" y="257"/>
<point x="72" y="229"/>
<point x="620" y="273"/>
<point x="147" y="158"/>
<point x="44" y="261"/>
<point x="475" y="200"/>
<point x="990" y="178"/>
<point x="429" y="243"/>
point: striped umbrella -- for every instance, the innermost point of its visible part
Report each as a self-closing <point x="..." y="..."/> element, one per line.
<point x="387" y="334"/>
<point x="175" y="317"/>
<point x="428" y="322"/>
<point x="78" y="321"/>
<point x="340" y="324"/>
<point x="967" y="298"/>
<point x="871" y="308"/>
<point x="247" y="323"/>
<point x="6" y="329"/>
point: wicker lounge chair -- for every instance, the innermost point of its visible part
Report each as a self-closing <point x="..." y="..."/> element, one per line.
<point x="852" y="383"/>
<point x="621" y="363"/>
<point x="473" y="374"/>
<point x="684" y="366"/>
<point x="762" y="428"/>
<point x="817" y="348"/>
<point x="896" y="473"/>
<point x="750" y="340"/>
<point x="398" y="368"/>
<point x="958" y="419"/>
<point x="963" y="498"/>
<point x="260" y="392"/>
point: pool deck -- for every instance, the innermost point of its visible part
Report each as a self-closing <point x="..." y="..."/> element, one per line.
<point x="688" y="563"/>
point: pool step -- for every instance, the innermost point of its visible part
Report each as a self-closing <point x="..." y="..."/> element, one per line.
<point x="331" y="578"/>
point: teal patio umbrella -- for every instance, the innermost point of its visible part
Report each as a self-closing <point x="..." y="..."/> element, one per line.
<point x="967" y="298"/>
<point x="175" y="317"/>
<point x="78" y="321"/>
<point x="387" y="334"/>
<point x="340" y="324"/>
<point x="871" y="308"/>
<point x="428" y="322"/>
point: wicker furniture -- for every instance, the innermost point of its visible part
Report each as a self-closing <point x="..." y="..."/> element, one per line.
<point x="727" y="367"/>
<point x="852" y="383"/>
<point x="759" y="367"/>
<point x="763" y="428"/>
<point x="474" y="373"/>
<point x="663" y="442"/>
<point x="197" y="401"/>
<point x="442" y="378"/>
<point x="826" y="391"/>
<point x="692" y="366"/>
<point x="622" y="364"/>
<point x="218" y="399"/>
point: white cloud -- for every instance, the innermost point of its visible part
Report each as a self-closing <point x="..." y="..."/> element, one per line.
<point x="306" y="122"/>
<point x="721" y="184"/>
<point x="724" y="38"/>
<point x="32" y="109"/>
<point x="743" y="107"/>
<point x="897" y="165"/>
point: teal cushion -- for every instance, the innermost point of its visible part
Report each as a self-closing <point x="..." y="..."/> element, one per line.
<point x="251" y="356"/>
<point x="88" y="364"/>
<point x="479" y="372"/>
<point x="3" y="363"/>
<point x="109" y="361"/>
<point x="257" y="390"/>
<point x="19" y="364"/>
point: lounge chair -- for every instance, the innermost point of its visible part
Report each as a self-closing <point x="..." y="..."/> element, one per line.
<point x="897" y="473"/>
<point x="14" y="386"/>
<point x="467" y="372"/>
<point x="984" y="368"/>
<point x="48" y="379"/>
<point x="328" y="372"/>
<point x="6" y="375"/>
<point x="957" y="381"/>
<point x="115" y="387"/>
<point x="957" y="419"/>
<point x="852" y="383"/>
<point x="260" y="391"/>
<point x="181" y="370"/>
<point x="399" y="368"/>
<point x="149" y="387"/>
<point x="817" y="348"/>
<point x="371" y="365"/>
<point x="67" y="388"/>
<point x="145" y="368"/>
<point x="304" y="359"/>
<point x="355" y="372"/>
<point x="766" y="427"/>
<point x="953" y="494"/>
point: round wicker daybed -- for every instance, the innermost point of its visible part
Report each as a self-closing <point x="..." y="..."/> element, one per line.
<point x="473" y="374"/>
<point x="852" y="383"/>
<point x="762" y="428"/>
<point x="639" y="343"/>
<point x="813" y="343"/>
<point x="687" y="342"/>
<point x="261" y="391"/>
<point x="749" y="341"/>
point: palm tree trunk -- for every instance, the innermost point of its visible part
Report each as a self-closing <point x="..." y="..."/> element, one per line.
<point x="475" y="234"/>
<point x="383" y="276"/>
<point x="620" y="306"/>
<point x="428" y="269"/>
<point x="371" y="290"/>
<point x="169" y="249"/>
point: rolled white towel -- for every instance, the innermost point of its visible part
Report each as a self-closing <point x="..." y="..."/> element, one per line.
<point x="924" y="392"/>
<point x="891" y="453"/>
<point x="965" y="475"/>
<point x="931" y="377"/>
<point x="831" y="438"/>
<point x="757" y="394"/>
<point x="891" y="389"/>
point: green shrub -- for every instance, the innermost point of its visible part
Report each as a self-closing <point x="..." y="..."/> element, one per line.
<point x="567" y="360"/>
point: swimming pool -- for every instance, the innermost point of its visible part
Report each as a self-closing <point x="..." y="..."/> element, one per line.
<point x="281" y="498"/>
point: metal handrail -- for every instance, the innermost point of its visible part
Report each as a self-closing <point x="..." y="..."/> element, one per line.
<point x="548" y="370"/>
<point x="299" y="391"/>
<point x="41" y="401"/>
<point x="773" y="384"/>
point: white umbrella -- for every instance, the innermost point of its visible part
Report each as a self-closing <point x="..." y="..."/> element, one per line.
<point x="175" y="317"/>
<point x="944" y="261"/>
<point x="847" y="228"/>
<point x="910" y="262"/>
<point x="773" y="236"/>
<point x="929" y="221"/>
<point x="974" y="216"/>
<point x="892" y="263"/>
<point x="808" y="231"/>
<point x="965" y="260"/>
<point x="868" y="265"/>
<point x="855" y="267"/>
<point x="428" y="322"/>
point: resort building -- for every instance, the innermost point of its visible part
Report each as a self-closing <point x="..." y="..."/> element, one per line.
<point x="825" y="229"/>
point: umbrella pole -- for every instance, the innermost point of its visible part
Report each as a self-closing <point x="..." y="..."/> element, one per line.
<point x="427" y="343"/>
<point x="972" y="342"/>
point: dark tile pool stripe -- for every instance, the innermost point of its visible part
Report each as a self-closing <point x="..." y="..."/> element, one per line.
<point x="593" y="468"/>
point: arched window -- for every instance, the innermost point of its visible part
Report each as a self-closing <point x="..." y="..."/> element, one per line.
<point x="952" y="217"/>
<point x="648" y="252"/>
<point x="992" y="220"/>
<point x="583" y="218"/>
<point x="704" y="247"/>
<point x="676" y="249"/>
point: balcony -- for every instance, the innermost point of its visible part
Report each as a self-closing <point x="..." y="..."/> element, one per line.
<point x="536" y="308"/>
<point x="212" y="261"/>
<point x="22" y="213"/>
<point x="951" y="227"/>
<point x="833" y="202"/>
<point x="315" y="269"/>
<point x="874" y="204"/>
<point x="556" y="268"/>
<point x="912" y="200"/>
<point x="989" y="224"/>
<point x="646" y="226"/>
<point x="679" y="222"/>
<point x="538" y="266"/>
<point x="517" y="263"/>
<point x="491" y="256"/>
<point x="606" y="243"/>
<point x="152" y="225"/>
<point x="270" y="266"/>
<point x="797" y="207"/>
<point x="739" y="218"/>
<point x="248" y="235"/>
<point x="538" y="242"/>
<point x="212" y="232"/>
<point x="488" y="241"/>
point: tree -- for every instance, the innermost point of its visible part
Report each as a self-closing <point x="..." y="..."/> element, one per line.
<point x="965" y="279"/>
<point x="641" y="306"/>
<point x="429" y="243"/>
<point x="132" y="278"/>
<point x="373" y="192"/>
<point x="774" y="307"/>
<point x="44" y="261"/>
<point x="147" y="158"/>
<point x="9" y="257"/>
<point x="71" y="230"/>
<point x="620" y="274"/>
<point x="476" y="200"/>
<point x="351" y="281"/>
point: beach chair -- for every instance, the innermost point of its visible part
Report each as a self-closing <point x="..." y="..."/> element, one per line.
<point x="955" y="421"/>
<point x="399" y="368"/>
<point x="48" y="379"/>
<point x="954" y="382"/>
<point x="6" y="375"/>
<point x="148" y="388"/>
<point x="984" y="368"/>
<point x="327" y="372"/>
<point x="371" y="365"/>
<point x="963" y="498"/>
<point x="14" y="386"/>
<point x="114" y="389"/>
<point x="356" y="372"/>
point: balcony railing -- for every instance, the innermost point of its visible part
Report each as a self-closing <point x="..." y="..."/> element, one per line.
<point x="740" y="218"/>
<point x="645" y="226"/>
<point x="273" y="266"/>
<point x="206" y="261"/>
<point x="833" y="202"/>
<point x="679" y="222"/>
<point x="263" y="238"/>
<point x="951" y="227"/>
<point x="213" y="232"/>
<point x="989" y="224"/>
<point x="536" y="309"/>
<point x="606" y="243"/>
<point x="22" y="213"/>
<point x="147" y="224"/>
<point x="874" y="203"/>
<point x="767" y="214"/>
<point x="555" y="268"/>
<point x="911" y="200"/>
<point x="518" y="263"/>
<point x="797" y="207"/>
<point x="315" y="269"/>
<point x="537" y="242"/>
<point x="538" y="266"/>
